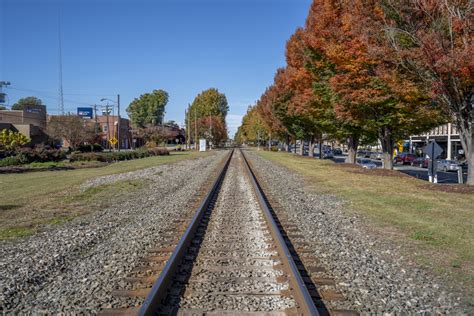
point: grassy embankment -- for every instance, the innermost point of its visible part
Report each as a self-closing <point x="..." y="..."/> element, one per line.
<point x="436" y="228"/>
<point x="30" y="201"/>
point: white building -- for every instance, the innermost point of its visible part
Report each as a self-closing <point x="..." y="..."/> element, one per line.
<point x="445" y="135"/>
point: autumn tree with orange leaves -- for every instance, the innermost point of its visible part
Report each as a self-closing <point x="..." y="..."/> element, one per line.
<point x="384" y="68"/>
<point x="369" y="90"/>
<point x="433" y="41"/>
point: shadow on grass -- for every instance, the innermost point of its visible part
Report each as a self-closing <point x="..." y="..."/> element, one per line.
<point x="178" y="153"/>
<point x="8" y="207"/>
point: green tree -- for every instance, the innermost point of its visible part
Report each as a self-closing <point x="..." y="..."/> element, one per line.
<point x="148" y="109"/>
<point x="210" y="103"/>
<point x="253" y="128"/>
<point x="11" y="141"/>
<point x="209" y="106"/>
<point x="22" y="103"/>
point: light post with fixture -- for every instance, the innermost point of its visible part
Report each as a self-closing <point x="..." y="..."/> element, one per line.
<point x="118" y="120"/>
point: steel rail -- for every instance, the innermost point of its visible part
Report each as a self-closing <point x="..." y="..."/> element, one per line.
<point x="299" y="289"/>
<point x="160" y="288"/>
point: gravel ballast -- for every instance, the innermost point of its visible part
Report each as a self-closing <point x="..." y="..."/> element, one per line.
<point x="369" y="270"/>
<point x="74" y="268"/>
<point x="236" y="237"/>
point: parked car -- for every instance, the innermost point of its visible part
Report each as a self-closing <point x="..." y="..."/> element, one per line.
<point x="337" y="151"/>
<point x="366" y="163"/>
<point x="421" y="162"/>
<point x="447" y="165"/>
<point x="361" y="153"/>
<point x="376" y="155"/>
<point x="404" y="158"/>
<point x="379" y="156"/>
<point x="327" y="154"/>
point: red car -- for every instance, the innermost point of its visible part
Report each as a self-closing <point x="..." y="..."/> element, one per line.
<point x="404" y="158"/>
<point x="420" y="162"/>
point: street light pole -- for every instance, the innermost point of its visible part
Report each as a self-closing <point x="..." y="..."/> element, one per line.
<point x="118" y="122"/>
<point x="108" y="126"/>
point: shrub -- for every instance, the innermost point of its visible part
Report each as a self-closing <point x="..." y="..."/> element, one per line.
<point x="90" y="148"/>
<point x="41" y="154"/>
<point x="9" y="161"/>
<point x="142" y="153"/>
<point x="159" y="151"/>
<point x="118" y="155"/>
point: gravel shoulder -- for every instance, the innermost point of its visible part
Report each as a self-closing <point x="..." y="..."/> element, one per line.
<point x="74" y="267"/>
<point x="370" y="270"/>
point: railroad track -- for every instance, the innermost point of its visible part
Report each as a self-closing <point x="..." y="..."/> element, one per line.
<point x="233" y="258"/>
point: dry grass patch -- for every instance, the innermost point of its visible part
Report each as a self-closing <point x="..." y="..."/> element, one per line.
<point x="30" y="201"/>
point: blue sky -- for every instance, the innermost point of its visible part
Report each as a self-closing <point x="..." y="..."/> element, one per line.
<point x="132" y="47"/>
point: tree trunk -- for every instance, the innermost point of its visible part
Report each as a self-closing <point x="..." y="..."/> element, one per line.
<point x="469" y="152"/>
<point x="311" y="147"/>
<point x="461" y="105"/>
<point x="353" y="143"/>
<point x="470" y="162"/>
<point x="465" y="127"/>
<point x="320" y="149"/>
<point x="386" y="139"/>
<point x="270" y="142"/>
<point x="301" y="147"/>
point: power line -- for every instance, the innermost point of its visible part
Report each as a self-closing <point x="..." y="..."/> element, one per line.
<point x="50" y="92"/>
<point x="49" y="95"/>
<point x="46" y="95"/>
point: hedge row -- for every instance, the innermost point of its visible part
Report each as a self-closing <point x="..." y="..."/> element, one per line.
<point x="29" y="155"/>
<point x="118" y="156"/>
<point x="90" y="148"/>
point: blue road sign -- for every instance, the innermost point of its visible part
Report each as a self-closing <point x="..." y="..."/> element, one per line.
<point x="85" y="112"/>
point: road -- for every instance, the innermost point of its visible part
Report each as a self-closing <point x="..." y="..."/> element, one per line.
<point x="420" y="173"/>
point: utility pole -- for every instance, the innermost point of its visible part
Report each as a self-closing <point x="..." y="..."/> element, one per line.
<point x="188" y="128"/>
<point x="210" y="134"/>
<point x="95" y="117"/>
<point x="108" y="125"/>
<point x="163" y="127"/>
<point x="113" y="125"/>
<point x="118" y="122"/>
<point x="195" y="129"/>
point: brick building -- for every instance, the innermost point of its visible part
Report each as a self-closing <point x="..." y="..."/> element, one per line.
<point x="108" y="127"/>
